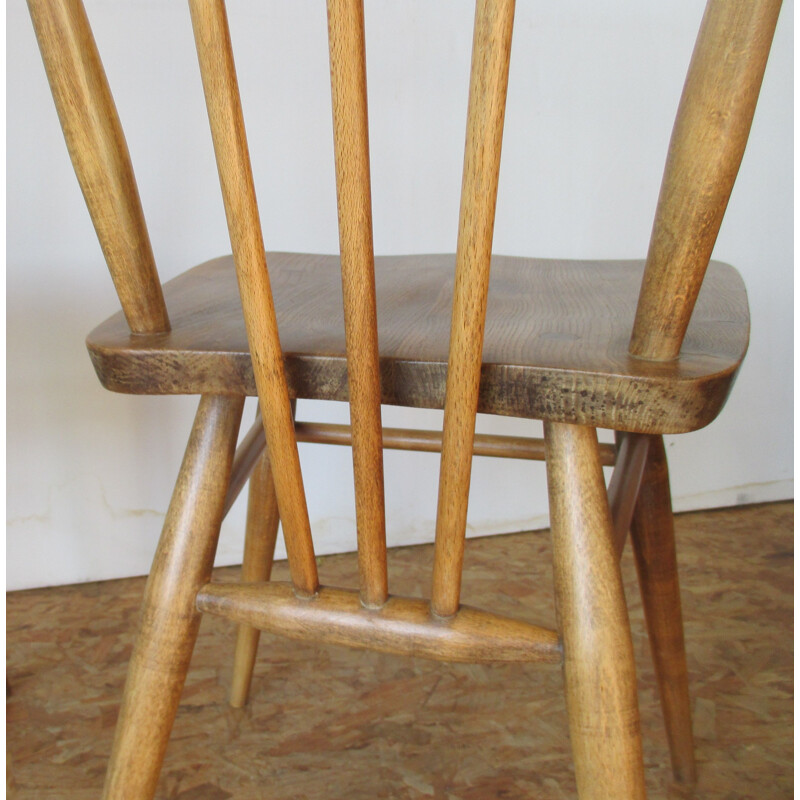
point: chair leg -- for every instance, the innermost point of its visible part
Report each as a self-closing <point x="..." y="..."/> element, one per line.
<point x="169" y="620"/>
<point x="261" y="533"/>
<point x="653" y="537"/>
<point x="599" y="671"/>
<point x="259" y="550"/>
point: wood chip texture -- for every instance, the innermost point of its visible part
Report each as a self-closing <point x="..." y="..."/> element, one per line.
<point x="327" y="722"/>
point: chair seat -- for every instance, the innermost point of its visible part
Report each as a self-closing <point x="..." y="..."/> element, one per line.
<point x="556" y="344"/>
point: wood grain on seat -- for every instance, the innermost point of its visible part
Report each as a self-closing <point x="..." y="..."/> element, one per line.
<point x="556" y="340"/>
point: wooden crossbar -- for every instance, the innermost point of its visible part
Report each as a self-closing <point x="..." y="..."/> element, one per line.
<point x="212" y="39"/>
<point x="351" y="146"/>
<point x="491" y="50"/>
<point x="484" y="444"/>
<point x="409" y="439"/>
<point x="626" y="480"/>
<point x="247" y="455"/>
<point x="403" y="626"/>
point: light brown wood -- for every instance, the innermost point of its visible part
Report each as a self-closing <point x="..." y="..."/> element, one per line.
<point x="556" y="344"/>
<point x="708" y="141"/>
<point x="260" y="536"/>
<point x="599" y="671"/>
<point x="247" y="456"/>
<point x="100" y="157"/>
<point x="351" y="144"/>
<point x="169" y="620"/>
<point x="491" y="52"/>
<point x="623" y="488"/>
<point x="557" y="347"/>
<point x="484" y="444"/>
<point x="402" y="625"/>
<point x="653" y="537"/>
<point x="212" y="39"/>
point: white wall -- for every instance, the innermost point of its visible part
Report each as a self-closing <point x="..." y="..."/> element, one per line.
<point x="592" y="92"/>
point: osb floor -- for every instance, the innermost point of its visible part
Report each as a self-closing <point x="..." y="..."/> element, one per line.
<point x="332" y="723"/>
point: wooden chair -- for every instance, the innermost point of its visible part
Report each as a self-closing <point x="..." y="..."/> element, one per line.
<point x="573" y="362"/>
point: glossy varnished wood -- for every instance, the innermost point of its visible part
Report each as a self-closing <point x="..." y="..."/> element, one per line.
<point x="422" y="441"/>
<point x="100" y="157"/>
<point x="555" y="346"/>
<point x="260" y="536"/>
<point x="626" y="480"/>
<point x="491" y="53"/>
<point x="403" y="625"/>
<point x="333" y="722"/>
<point x="347" y="50"/>
<point x="247" y="456"/>
<point x="215" y="54"/>
<point x="483" y="444"/>
<point x="599" y="671"/>
<point x="708" y="141"/>
<point x="653" y="537"/>
<point x="169" y="620"/>
<point x="261" y="533"/>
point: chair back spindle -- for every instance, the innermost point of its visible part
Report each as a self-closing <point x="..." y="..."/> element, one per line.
<point x="707" y="145"/>
<point x="100" y="158"/>
<point x="212" y="39"/>
<point x="488" y="84"/>
<point x="706" y="149"/>
<point x="491" y="51"/>
<point x="351" y="145"/>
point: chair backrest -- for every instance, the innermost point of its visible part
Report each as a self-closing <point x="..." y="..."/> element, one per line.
<point x="100" y="157"/>
<point x="708" y="141"/>
<point x="489" y="78"/>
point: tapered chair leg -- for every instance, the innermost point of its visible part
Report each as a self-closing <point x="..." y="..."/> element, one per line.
<point x="599" y="671"/>
<point x="259" y="550"/>
<point x="169" y="620"/>
<point x="261" y="533"/>
<point x="653" y="537"/>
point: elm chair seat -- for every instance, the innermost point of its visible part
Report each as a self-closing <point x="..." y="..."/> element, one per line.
<point x="555" y="347"/>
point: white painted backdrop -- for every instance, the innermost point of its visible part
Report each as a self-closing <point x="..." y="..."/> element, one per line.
<point x="592" y="93"/>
